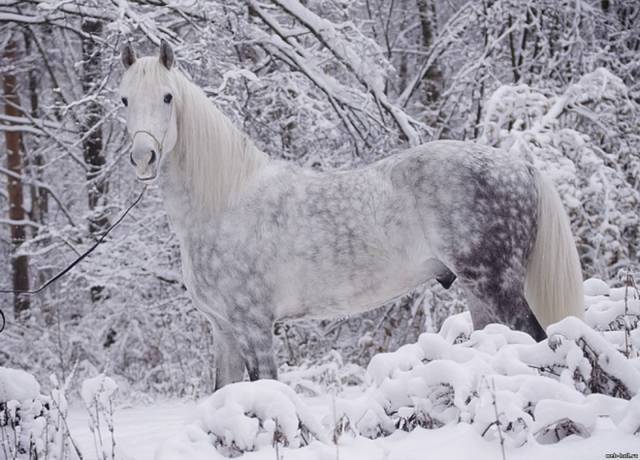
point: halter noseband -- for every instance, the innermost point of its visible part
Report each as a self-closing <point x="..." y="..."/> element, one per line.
<point x="155" y="139"/>
<point x="159" y="144"/>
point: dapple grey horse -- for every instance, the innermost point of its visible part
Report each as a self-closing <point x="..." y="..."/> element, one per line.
<point x="263" y="240"/>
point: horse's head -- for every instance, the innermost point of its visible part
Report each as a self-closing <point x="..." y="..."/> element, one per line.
<point x="148" y="92"/>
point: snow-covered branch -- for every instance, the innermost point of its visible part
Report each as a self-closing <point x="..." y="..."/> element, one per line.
<point x="329" y="36"/>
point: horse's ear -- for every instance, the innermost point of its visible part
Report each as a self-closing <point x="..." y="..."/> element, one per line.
<point x="128" y="56"/>
<point x="166" y="54"/>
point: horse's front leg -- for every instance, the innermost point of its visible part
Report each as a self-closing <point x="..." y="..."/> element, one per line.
<point x="230" y="362"/>
<point x="253" y="324"/>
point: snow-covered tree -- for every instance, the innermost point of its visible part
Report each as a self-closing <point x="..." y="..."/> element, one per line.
<point x="326" y="84"/>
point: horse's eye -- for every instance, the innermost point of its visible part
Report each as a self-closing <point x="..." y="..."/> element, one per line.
<point x="125" y="101"/>
<point x="167" y="98"/>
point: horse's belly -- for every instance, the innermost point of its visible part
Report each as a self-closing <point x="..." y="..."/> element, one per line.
<point x="370" y="296"/>
<point x="339" y="294"/>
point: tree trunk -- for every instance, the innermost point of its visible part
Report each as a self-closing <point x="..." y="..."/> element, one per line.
<point x="94" y="156"/>
<point x="432" y="85"/>
<point x="34" y="160"/>
<point x="13" y="141"/>
<point x="39" y="198"/>
<point x="92" y="146"/>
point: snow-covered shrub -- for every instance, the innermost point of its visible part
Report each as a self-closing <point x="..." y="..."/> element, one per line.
<point x="98" y="395"/>
<point x="246" y="416"/>
<point x="592" y="363"/>
<point x="506" y="387"/>
<point x="616" y="311"/>
<point x="365" y="415"/>
<point x="32" y="425"/>
<point x="22" y="414"/>
<point x="327" y="373"/>
<point x="539" y="389"/>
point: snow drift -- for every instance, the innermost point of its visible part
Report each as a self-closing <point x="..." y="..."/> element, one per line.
<point x="506" y="387"/>
<point x="493" y="388"/>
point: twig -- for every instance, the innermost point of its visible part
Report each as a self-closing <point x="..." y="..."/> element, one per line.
<point x="66" y="427"/>
<point x="629" y="282"/>
<point x="497" y="422"/>
<point x="336" y="438"/>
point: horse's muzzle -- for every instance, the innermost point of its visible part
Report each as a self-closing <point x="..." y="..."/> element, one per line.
<point x="144" y="158"/>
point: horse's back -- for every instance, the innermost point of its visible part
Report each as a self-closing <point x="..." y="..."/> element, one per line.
<point x="442" y="163"/>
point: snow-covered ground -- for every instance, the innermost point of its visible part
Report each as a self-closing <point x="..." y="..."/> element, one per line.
<point x="455" y="394"/>
<point x="139" y="429"/>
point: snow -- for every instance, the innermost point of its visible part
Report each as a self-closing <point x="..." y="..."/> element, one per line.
<point x="457" y="327"/>
<point x="549" y="412"/>
<point x="98" y="389"/>
<point x="456" y="393"/>
<point x="18" y="385"/>
<point x="143" y="430"/>
<point x="246" y="416"/>
<point x="595" y="287"/>
<point x="630" y="421"/>
<point x="448" y="384"/>
<point x="140" y="429"/>
<point x="609" y="358"/>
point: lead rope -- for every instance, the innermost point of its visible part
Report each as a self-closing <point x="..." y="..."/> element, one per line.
<point x="101" y="239"/>
<point x="75" y="262"/>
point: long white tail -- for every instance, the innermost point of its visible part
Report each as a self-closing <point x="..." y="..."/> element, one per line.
<point x="553" y="286"/>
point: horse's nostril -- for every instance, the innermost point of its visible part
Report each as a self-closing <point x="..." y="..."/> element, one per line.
<point x="153" y="157"/>
<point x="131" y="159"/>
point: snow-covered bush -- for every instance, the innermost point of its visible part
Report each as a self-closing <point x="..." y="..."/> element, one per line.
<point x="328" y="373"/>
<point x="508" y="388"/>
<point x="98" y="395"/>
<point x="540" y="389"/>
<point x="32" y="425"/>
<point x="22" y="414"/>
<point x="247" y="416"/>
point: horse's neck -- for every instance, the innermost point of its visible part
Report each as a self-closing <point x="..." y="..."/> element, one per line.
<point x="212" y="162"/>
<point x="178" y="195"/>
<point x="181" y="200"/>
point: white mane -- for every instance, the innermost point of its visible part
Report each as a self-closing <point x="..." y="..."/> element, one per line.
<point x="217" y="156"/>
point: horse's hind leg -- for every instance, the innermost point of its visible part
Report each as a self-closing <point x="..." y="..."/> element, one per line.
<point x="493" y="272"/>
<point x="489" y="303"/>
<point x="487" y="241"/>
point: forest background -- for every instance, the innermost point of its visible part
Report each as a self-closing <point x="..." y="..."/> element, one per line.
<point x="328" y="84"/>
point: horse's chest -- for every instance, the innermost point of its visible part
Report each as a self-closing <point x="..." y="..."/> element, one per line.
<point x="228" y="269"/>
